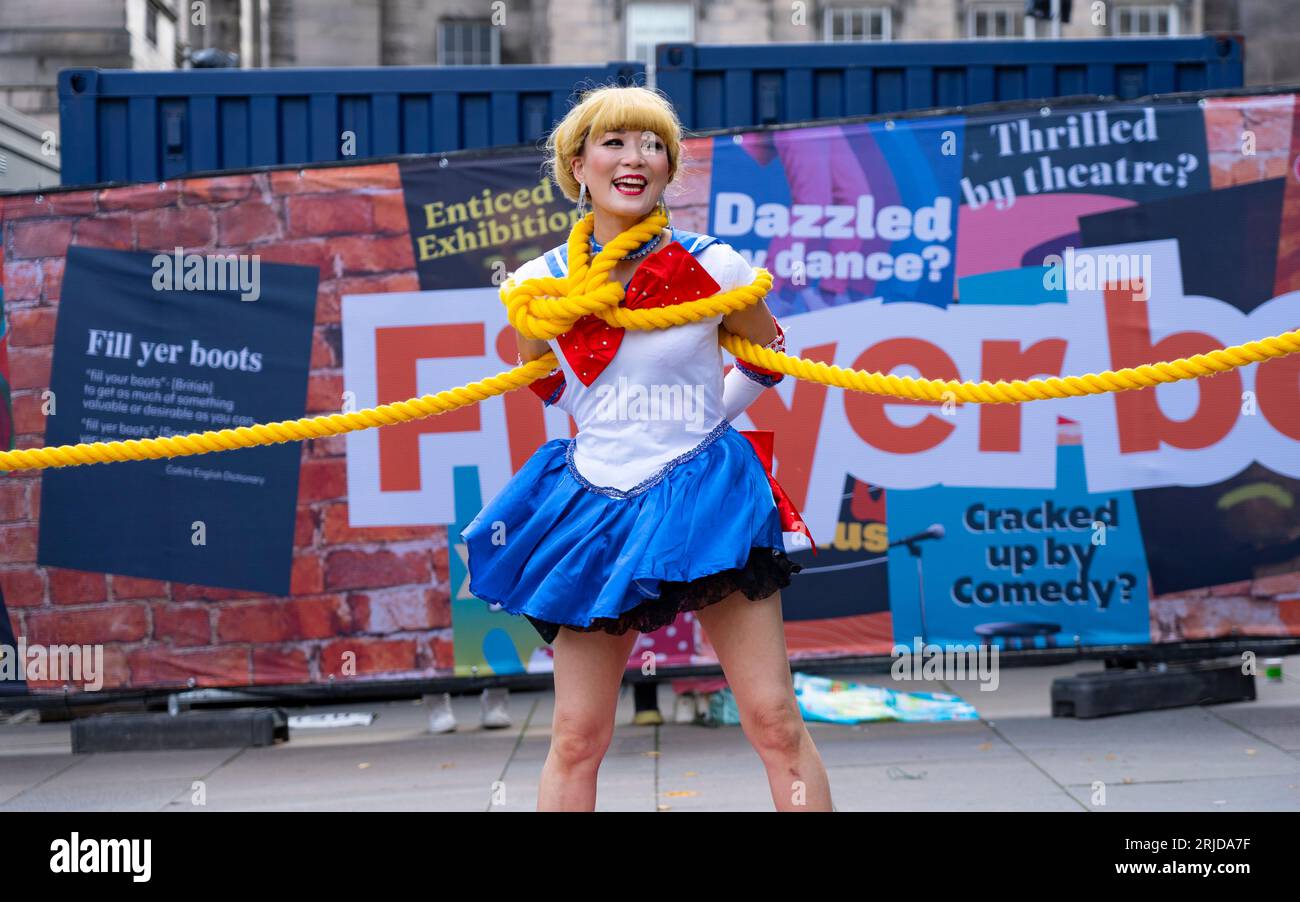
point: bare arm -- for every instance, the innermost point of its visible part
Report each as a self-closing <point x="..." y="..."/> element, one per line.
<point x="530" y="348"/>
<point x="754" y="323"/>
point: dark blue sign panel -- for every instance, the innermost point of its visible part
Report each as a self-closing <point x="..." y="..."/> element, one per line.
<point x="1138" y="152"/>
<point x="165" y="344"/>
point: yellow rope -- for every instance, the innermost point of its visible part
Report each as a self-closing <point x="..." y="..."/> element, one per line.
<point x="544" y="308"/>
<point x="1017" y="391"/>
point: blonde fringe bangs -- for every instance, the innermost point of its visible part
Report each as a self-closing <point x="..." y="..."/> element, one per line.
<point x="609" y="108"/>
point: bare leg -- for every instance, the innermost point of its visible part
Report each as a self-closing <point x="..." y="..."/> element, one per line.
<point x="749" y="639"/>
<point x="588" y="674"/>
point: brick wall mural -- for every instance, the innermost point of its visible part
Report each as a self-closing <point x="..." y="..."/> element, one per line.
<point x="379" y="593"/>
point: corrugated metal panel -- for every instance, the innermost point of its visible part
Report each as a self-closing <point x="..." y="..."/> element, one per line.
<point x="24" y="163"/>
<point x="147" y="126"/>
<point x="726" y="86"/>
<point x="120" y="125"/>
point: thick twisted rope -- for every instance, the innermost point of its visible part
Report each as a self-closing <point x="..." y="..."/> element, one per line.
<point x="282" y="431"/>
<point x="547" y="307"/>
<point x="1017" y="391"/>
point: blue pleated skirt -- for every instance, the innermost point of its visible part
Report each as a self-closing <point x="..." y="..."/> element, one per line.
<point x="560" y="551"/>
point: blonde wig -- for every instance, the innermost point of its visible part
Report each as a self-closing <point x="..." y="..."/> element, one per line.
<point x="610" y="108"/>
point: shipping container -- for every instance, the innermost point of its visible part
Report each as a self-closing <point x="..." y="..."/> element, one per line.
<point x="728" y="86"/>
<point x="146" y="126"/>
<point x="128" y="126"/>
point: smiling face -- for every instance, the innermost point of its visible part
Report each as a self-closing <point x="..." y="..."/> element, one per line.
<point x="625" y="172"/>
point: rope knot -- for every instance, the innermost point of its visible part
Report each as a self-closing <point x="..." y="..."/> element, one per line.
<point x="547" y="306"/>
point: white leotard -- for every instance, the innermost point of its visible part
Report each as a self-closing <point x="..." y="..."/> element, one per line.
<point x="661" y="395"/>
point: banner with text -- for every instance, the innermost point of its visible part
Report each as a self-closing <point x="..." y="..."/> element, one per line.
<point x="1022" y="243"/>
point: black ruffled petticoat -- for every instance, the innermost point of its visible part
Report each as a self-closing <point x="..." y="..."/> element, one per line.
<point x="766" y="571"/>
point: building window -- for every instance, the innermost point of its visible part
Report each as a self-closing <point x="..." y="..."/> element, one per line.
<point x="151" y="23"/>
<point x="995" y="21"/>
<point x="649" y="24"/>
<point x="468" y="43"/>
<point x="1148" y="20"/>
<point x="873" y="23"/>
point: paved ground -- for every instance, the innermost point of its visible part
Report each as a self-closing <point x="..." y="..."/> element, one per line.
<point x="1235" y="757"/>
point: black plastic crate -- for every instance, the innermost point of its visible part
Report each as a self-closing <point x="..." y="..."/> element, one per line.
<point x="1124" y="691"/>
<point x="235" y="728"/>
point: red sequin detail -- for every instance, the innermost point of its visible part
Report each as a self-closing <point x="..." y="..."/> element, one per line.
<point x="592" y="339"/>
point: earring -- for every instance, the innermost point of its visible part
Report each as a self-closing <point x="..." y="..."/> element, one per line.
<point x="663" y="208"/>
<point x="582" y="198"/>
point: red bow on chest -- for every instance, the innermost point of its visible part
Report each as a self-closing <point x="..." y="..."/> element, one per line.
<point x="668" y="276"/>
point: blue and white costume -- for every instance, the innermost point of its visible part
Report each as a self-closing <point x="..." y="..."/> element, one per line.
<point x="658" y="504"/>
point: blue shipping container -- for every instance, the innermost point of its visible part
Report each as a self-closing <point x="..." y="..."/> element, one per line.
<point x="727" y="86"/>
<point x="127" y="126"/>
<point x="147" y="126"/>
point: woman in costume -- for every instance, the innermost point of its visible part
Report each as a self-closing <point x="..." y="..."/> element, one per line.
<point x="657" y="505"/>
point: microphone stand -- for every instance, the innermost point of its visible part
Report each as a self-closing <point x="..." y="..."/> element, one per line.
<point x="913" y="544"/>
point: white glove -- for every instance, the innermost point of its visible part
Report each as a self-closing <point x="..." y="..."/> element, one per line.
<point x="739" y="389"/>
<point x="738" y="392"/>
